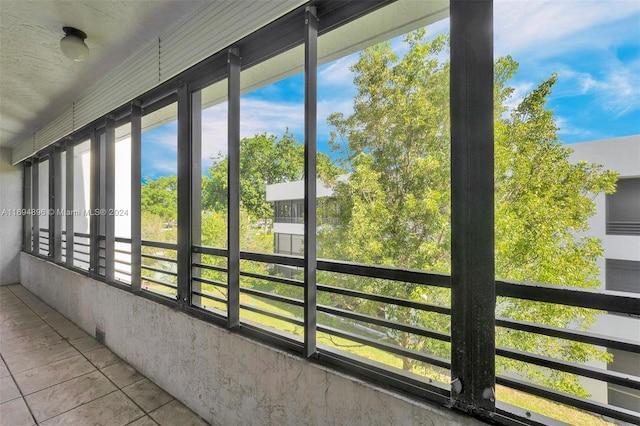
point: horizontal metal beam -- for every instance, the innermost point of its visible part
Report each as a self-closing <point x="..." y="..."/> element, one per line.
<point x="385" y="273"/>
<point x="608" y="376"/>
<point x="385" y="299"/>
<point x="573" y="401"/>
<point x="394" y="349"/>
<point x="571" y="296"/>
<point x="574" y="335"/>
<point x="343" y="313"/>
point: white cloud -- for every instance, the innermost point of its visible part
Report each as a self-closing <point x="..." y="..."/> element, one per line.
<point x="567" y="129"/>
<point x="617" y="91"/>
<point x="543" y="27"/>
<point x="519" y="91"/>
<point x="260" y="116"/>
<point x="256" y="116"/>
<point x="338" y="72"/>
<point x="214" y="132"/>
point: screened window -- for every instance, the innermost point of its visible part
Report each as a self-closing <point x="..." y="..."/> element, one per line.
<point x="623" y="275"/>
<point x="623" y="208"/>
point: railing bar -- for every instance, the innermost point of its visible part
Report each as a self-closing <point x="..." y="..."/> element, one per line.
<point x="272" y="315"/>
<point x="209" y="267"/>
<point x="208" y="281"/>
<point x="158" y="270"/>
<point x="609" y="376"/>
<point x="272" y="278"/>
<point x="163" y="283"/>
<point x="385" y="323"/>
<point x="575" y="335"/>
<point x="160" y="244"/>
<point x="158" y="258"/>
<point x="270" y="296"/>
<point x="279" y="259"/>
<point x="159" y="293"/>
<point x="580" y="297"/>
<point x="418" y="356"/>
<point x="210" y="297"/>
<point x="574" y="401"/>
<point x="386" y="272"/>
<point x="386" y="299"/>
<point x="213" y="251"/>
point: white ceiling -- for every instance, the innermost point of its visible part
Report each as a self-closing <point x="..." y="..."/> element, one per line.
<point x="36" y="78"/>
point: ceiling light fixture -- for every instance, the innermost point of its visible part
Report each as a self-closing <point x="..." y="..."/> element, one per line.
<point x="72" y="44"/>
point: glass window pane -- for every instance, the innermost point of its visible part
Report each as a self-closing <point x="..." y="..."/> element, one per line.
<point x="43" y="206"/>
<point x="562" y="83"/>
<point x="81" y="207"/>
<point x="122" y="203"/>
<point x="271" y="170"/>
<point x="159" y="200"/>
<point x="208" y="285"/>
<point x="384" y="190"/>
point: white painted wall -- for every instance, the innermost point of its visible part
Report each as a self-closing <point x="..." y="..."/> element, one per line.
<point x="623" y="155"/>
<point x="295" y="190"/>
<point x="223" y="377"/>
<point x="10" y="223"/>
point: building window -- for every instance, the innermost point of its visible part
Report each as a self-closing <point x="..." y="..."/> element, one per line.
<point x="623" y="275"/>
<point x="623" y="208"/>
<point x="621" y="396"/>
<point x="289" y="211"/>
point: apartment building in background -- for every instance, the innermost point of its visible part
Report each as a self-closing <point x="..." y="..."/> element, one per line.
<point x="617" y="223"/>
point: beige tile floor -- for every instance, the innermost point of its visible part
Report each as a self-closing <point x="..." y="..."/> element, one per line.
<point x="53" y="373"/>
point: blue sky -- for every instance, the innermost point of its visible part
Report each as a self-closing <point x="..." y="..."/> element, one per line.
<point x="593" y="46"/>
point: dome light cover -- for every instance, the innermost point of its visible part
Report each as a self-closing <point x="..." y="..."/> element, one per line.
<point x="72" y="44"/>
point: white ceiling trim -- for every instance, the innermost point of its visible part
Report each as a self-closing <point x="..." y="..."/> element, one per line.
<point x="208" y="29"/>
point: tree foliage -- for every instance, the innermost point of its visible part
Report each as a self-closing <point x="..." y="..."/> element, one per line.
<point x="395" y="206"/>
<point x="159" y="197"/>
<point x="264" y="160"/>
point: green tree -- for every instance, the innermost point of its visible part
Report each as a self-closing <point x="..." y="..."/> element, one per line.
<point x="264" y="160"/>
<point x="214" y="234"/>
<point x="160" y="197"/>
<point x="394" y="209"/>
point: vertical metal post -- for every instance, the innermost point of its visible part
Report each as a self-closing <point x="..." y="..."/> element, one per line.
<point x="136" y="182"/>
<point x="110" y="199"/>
<point x="184" y="196"/>
<point x="35" y="194"/>
<point x="102" y="202"/>
<point x="196" y="188"/>
<point x="55" y="203"/>
<point x="233" y="191"/>
<point x="69" y="195"/>
<point x="27" y="220"/>
<point x="472" y="208"/>
<point x="310" y="125"/>
<point x="94" y="204"/>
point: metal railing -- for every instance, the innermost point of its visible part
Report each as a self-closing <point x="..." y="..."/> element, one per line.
<point x="159" y="262"/>
<point x="608" y="301"/>
<point x="360" y="340"/>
